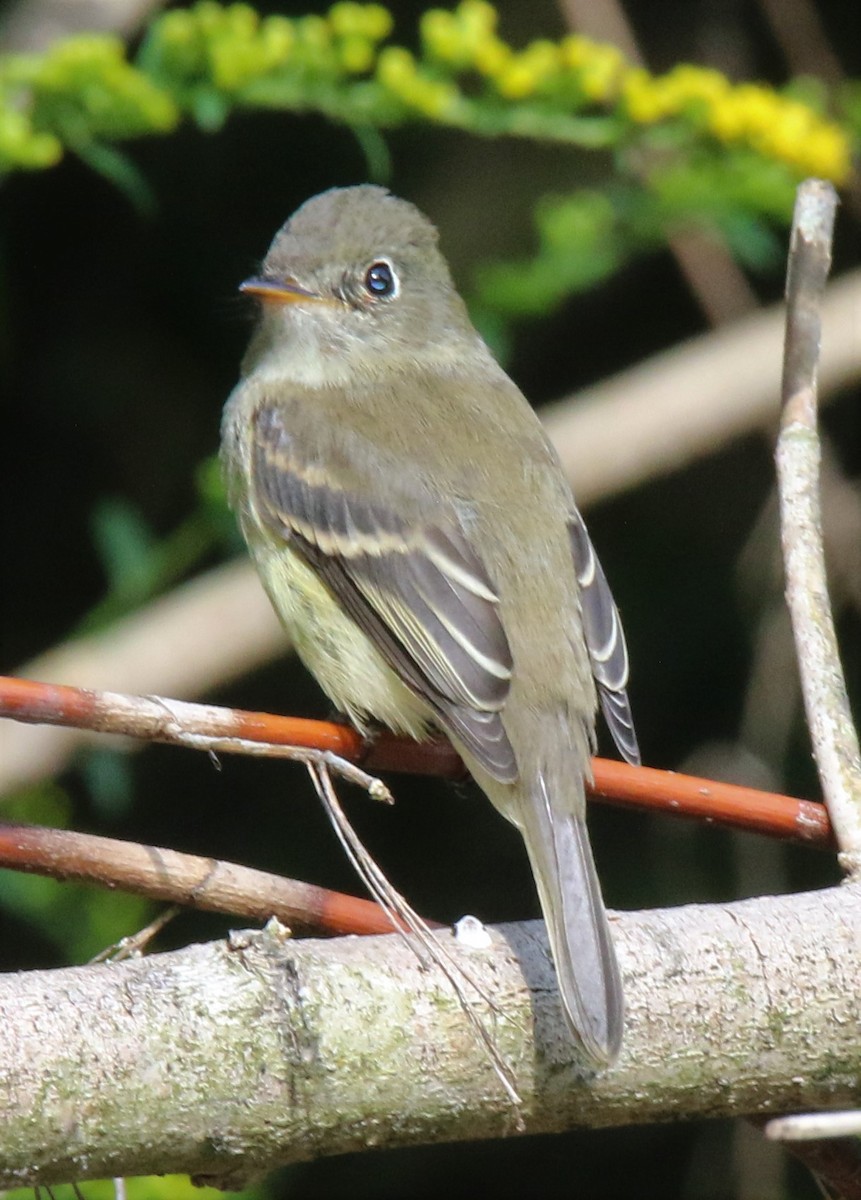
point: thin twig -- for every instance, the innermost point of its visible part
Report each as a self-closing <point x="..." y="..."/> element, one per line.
<point x="806" y="1127"/>
<point x="211" y="727"/>
<point x="689" y="401"/>
<point x="31" y="26"/>
<point x="134" y="944"/>
<point x="835" y="743"/>
<point x="828" y="1145"/>
<point x="726" y="804"/>
<point x="614" y="782"/>
<point x="178" y="723"/>
<point x="800" y="33"/>
<point x="714" y="277"/>
<point x="209" y="884"/>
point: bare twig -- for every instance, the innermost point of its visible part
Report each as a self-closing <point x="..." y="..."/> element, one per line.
<point x="604" y="23"/>
<point x="774" y="694"/>
<point x="690" y="400"/>
<point x="134" y="944"/>
<point x="827" y="1143"/>
<point x="277" y="1042"/>
<point x="195" y="726"/>
<point x="806" y="1127"/>
<point x="724" y="804"/>
<point x="717" y="282"/>
<point x="33" y="25"/>
<point x="188" y="879"/>
<point x="175" y="645"/>
<point x="207" y="726"/>
<point x="801" y="35"/>
<point x="835" y="743"/>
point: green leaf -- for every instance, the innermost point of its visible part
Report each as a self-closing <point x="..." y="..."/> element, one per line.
<point x="119" y="169"/>
<point x="125" y="546"/>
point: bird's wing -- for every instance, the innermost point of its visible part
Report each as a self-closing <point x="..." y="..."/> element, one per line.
<point x="605" y="641"/>
<point x="419" y="592"/>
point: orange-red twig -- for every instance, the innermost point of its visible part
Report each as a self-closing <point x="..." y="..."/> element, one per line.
<point x="155" y="718"/>
<point x="177" y="721"/>
<point x="728" y="804"/>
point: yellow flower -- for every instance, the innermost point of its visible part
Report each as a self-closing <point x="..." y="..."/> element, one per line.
<point x="644" y="102"/>
<point x="575" y="50"/>
<point x="378" y="22"/>
<point x="356" y="54"/>
<point x="542" y="58"/>
<point x="21" y="146"/>
<point x="828" y="154"/>
<point x="442" y="37"/>
<point x="477" y="18"/>
<point x="602" y="73"/>
<point x="465" y="38"/>
<point x="492" y="57"/>
<point x="516" y="81"/>
<point x="278" y="38"/>
<point x="399" y="73"/>
<point x="783" y="129"/>
<point x="370" y="21"/>
<point x="686" y="83"/>
<point x="434" y="98"/>
<point x="396" y="68"/>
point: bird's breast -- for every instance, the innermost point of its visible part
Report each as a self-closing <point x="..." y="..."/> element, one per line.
<point x="346" y="664"/>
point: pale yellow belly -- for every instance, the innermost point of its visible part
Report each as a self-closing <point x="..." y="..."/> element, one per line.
<point x="346" y="664"/>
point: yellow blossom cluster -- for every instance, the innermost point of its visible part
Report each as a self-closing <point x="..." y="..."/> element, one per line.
<point x="577" y="69"/>
<point x="22" y="145"/>
<point x="775" y="126"/>
<point x="82" y="88"/>
<point x="401" y="75"/>
<point x="466" y="39"/>
<point x="232" y="46"/>
<point x="206" y="58"/>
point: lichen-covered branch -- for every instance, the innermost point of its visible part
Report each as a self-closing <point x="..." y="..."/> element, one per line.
<point x="227" y="1060"/>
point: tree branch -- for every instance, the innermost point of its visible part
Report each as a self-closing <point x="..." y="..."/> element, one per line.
<point x="228" y="730"/>
<point x="689" y="401"/>
<point x="227" y="1060"/>
<point x="835" y="742"/>
<point x="206" y="883"/>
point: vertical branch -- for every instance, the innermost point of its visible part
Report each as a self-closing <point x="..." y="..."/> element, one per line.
<point x="835" y="743"/>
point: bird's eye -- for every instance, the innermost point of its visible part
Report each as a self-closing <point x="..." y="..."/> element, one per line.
<point x="380" y="280"/>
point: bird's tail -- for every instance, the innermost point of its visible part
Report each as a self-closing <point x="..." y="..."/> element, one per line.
<point x="589" y="983"/>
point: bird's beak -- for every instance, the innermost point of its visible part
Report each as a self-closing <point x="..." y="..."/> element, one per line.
<point x="280" y="291"/>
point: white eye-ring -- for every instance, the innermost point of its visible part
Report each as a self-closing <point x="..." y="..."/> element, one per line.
<point x="380" y="281"/>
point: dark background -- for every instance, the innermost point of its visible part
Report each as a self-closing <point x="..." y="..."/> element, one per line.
<point x="120" y="339"/>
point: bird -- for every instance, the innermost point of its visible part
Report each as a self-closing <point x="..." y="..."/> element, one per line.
<point x="420" y="543"/>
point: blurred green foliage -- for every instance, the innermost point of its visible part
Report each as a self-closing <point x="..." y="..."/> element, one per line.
<point x="138" y="565"/>
<point x="153" y="1187"/>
